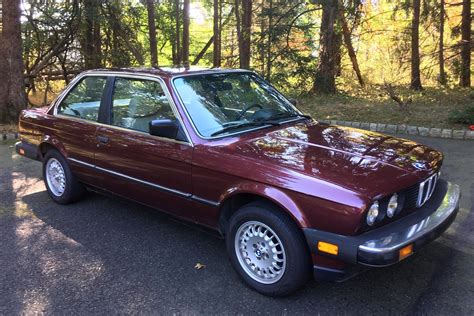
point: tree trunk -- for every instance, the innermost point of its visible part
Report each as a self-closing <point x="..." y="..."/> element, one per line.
<point x="238" y="26"/>
<point x="91" y="44"/>
<point x="338" y="50"/>
<point x="211" y="41"/>
<point x="415" y="47"/>
<point x="87" y="44"/>
<point x="177" y="34"/>
<point x="97" y="39"/>
<point x="350" y="49"/>
<point x="45" y="96"/>
<point x="466" y="44"/>
<point x="216" y="61"/>
<point x="173" y="40"/>
<point x="230" y="60"/>
<point x="270" y="39"/>
<point x="186" y="33"/>
<point x="203" y="51"/>
<point x="263" y="38"/>
<point x="442" y="73"/>
<point x="150" y="7"/>
<point x="12" y="85"/>
<point x="325" y="77"/>
<point x="246" y="34"/>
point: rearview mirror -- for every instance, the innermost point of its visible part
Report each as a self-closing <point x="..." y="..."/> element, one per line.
<point x="164" y="128"/>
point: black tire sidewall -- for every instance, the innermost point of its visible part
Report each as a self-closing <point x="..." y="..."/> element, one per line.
<point x="297" y="255"/>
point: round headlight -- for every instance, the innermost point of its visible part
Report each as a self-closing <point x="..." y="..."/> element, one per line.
<point x="373" y="213"/>
<point x="392" y="205"/>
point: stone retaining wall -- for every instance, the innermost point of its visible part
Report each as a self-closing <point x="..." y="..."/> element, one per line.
<point x="8" y="136"/>
<point x="407" y="129"/>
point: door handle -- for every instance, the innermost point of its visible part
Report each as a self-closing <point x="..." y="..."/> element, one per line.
<point x="103" y="139"/>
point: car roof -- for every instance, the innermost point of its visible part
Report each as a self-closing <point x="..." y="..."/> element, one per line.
<point x="168" y="71"/>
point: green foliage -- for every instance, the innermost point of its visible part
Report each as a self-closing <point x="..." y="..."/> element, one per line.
<point x="285" y="43"/>
<point x="45" y="27"/>
<point x="285" y="39"/>
<point x="464" y="116"/>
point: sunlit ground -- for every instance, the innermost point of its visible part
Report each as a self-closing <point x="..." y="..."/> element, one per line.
<point x="31" y="245"/>
<point x="429" y="108"/>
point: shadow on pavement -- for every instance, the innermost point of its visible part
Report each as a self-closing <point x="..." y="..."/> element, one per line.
<point x="127" y="258"/>
<point x="106" y="255"/>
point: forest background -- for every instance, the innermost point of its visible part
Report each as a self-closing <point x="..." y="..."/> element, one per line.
<point x="371" y="61"/>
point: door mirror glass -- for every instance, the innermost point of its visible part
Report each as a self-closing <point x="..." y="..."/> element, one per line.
<point x="164" y="128"/>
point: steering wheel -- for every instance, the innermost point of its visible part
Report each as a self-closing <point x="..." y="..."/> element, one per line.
<point x="73" y="110"/>
<point x="244" y="111"/>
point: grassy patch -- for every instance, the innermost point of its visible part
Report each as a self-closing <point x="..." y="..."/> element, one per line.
<point x="8" y="128"/>
<point x="430" y="107"/>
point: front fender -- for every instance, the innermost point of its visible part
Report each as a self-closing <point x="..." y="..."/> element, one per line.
<point x="275" y="195"/>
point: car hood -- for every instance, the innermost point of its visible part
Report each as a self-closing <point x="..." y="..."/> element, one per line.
<point x="356" y="160"/>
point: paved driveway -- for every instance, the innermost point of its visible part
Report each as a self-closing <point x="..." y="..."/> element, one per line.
<point x="104" y="255"/>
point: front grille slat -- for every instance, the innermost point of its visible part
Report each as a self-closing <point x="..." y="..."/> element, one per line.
<point x="417" y="195"/>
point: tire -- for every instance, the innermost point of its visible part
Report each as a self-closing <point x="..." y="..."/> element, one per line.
<point x="60" y="182"/>
<point x="280" y="234"/>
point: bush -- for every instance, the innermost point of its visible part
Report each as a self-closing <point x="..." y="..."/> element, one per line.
<point x="465" y="116"/>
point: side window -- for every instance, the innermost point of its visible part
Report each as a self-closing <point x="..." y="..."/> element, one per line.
<point x="136" y="102"/>
<point x="84" y="99"/>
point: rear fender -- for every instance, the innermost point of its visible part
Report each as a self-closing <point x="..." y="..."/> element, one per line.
<point x="51" y="141"/>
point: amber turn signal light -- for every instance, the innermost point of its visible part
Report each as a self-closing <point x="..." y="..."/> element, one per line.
<point x="405" y="252"/>
<point x="22" y="151"/>
<point x="328" y="248"/>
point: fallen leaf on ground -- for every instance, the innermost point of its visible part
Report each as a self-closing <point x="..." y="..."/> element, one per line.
<point x="199" y="266"/>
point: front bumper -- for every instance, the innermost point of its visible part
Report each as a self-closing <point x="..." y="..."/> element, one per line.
<point x="28" y="150"/>
<point x="381" y="246"/>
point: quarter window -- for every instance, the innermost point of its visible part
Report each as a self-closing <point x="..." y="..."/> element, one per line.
<point x="136" y="102"/>
<point x="83" y="100"/>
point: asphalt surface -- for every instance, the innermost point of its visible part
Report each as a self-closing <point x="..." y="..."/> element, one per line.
<point x="105" y="255"/>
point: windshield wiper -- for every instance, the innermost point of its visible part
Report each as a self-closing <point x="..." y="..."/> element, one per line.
<point x="243" y="124"/>
<point x="270" y="121"/>
<point x="284" y="115"/>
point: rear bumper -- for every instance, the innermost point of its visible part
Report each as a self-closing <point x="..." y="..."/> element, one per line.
<point x="28" y="150"/>
<point x="381" y="247"/>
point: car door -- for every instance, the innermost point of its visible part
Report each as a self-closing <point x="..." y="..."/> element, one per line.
<point x="153" y="170"/>
<point x="77" y="114"/>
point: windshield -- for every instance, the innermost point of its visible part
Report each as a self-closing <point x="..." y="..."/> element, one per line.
<point x="231" y="102"/>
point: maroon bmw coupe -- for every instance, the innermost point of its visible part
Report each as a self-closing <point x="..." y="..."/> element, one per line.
<point x="293" y="197"/>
